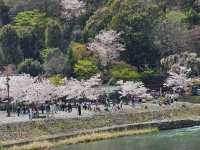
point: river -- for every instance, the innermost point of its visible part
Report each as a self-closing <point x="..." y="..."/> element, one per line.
<point x="180" y="139"/>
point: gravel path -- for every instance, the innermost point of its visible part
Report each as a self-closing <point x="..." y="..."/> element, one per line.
<point x="62" y="115"/>
<point x="24" y="118"/>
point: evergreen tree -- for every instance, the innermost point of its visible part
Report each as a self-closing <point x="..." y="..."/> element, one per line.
<point x="53" y="35"/>
<point x="9" y="42"/>
<point x="4" y="19"/>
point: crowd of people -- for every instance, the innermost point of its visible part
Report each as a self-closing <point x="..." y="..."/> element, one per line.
<point x="44" y="110"/>
<point x="48" y="109"/>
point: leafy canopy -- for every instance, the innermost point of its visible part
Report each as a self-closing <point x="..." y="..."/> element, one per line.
<point x="84" y="69"/>
<point x="30" y="66"/>
<point x="34" y="19"/>
<point x="123" y="71"/>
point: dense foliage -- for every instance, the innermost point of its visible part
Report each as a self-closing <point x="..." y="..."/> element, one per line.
<point x="121" y="39"/>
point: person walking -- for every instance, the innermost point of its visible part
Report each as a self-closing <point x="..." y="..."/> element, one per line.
<point x="30" y="113"/>
<point x="121" y="105"/>
<point x="42" y="108"/>
<point x="18" y="110"/>
<point x="48" y="109"/>
<point x="79" y="109"/>
<point x="69" y="107"/>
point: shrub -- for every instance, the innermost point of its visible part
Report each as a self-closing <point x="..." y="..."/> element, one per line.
<point x="148" y="73"/>
<point x="30" y="66"/>
<point x="176" y="16"/>
<point x="57" y="80"/>
<point x="79" y="50"/>
<point x="84" y="69"/>
<point x="124" y="72"/>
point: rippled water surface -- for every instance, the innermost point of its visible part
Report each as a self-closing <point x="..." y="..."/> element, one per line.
<point x="181" y="139"/>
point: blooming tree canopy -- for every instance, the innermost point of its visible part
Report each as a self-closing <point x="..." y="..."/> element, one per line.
<point x="179" y="80"/>
<point x="39" y="91"/>
<point x="136" y="89"/>
<point x="28" y="89"/>
<point x="179" y="68"/>
<point x="186" y="59"/>
<point x="78" y="89"/>
<point x="17" y="85"/>
<point x="72" y="8"/>
<point x="107" y="45"/>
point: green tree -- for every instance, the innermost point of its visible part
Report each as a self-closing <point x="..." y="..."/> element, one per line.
<point x="70" y="62"/>
<point x="9" y="42"/>
<point x="84" y="69"/>
<point x="53" y="35"/>
<point x="123" y="71"/>
<point x="193" y="16"/>
<point x="30" y="66"/>
<point x="30" y="42"/>
<point x="97" y="22"/>
<point x="1" y="57"/>
<point x="136" y="20"/>
<point x="34" y="19"/>
<point x="4" y="17"/>
<point x="31" y="26"/>
<point x="50" y="7"/>
<point x="192" y="11"/>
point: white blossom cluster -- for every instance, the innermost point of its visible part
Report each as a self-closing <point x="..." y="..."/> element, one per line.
<point x="179" y="69"/>
<point x="39" y="91"/>
<point x="72" y="8"/>
<point x="78" y="89"/>
<point x="17" y="85"/>
<point x="136" y="89"/>
<point x="27" y="89"/>
<point x="107" y="45"/>
<point x="179" y="80"/>
<point x="186" y="59"/>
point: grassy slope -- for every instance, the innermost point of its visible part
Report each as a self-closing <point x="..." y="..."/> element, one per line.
<point x="191" y="99"/>
<point x="83" y="139"/>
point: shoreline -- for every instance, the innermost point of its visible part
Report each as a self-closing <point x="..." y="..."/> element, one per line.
<point x="102" y="134"/>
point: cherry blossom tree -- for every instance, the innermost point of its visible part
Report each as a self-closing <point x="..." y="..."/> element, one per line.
<point x="187" y="59"/>
<point x="178" y="80"/>
<point x="39" y="91"/>
<point x="28" y="89"/>
<point x="78" y="89"/>
<point x="17" y="85"/>
<point x="180" y="67"/>
<point x="72" y="8"/>
<point x="107" y="45"/>
<point x="136" y="89"/>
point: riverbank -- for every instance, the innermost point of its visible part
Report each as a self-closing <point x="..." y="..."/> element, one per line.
<point x="100" y="134"/>
<point x="176" y="139"/>
<point x="82" y="138"/>
<point x="182" y="115"/>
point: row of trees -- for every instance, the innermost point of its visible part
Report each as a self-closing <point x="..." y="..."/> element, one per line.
<point x="28" y="89"/>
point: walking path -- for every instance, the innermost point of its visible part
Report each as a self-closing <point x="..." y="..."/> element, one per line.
<point x="24" y="118"/>
<point x="85" y="113"/>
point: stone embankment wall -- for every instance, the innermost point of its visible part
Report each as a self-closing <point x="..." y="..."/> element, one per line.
<point x="161" y="125"/>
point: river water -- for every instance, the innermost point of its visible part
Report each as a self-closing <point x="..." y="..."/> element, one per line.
<point x="180" y="139"/>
